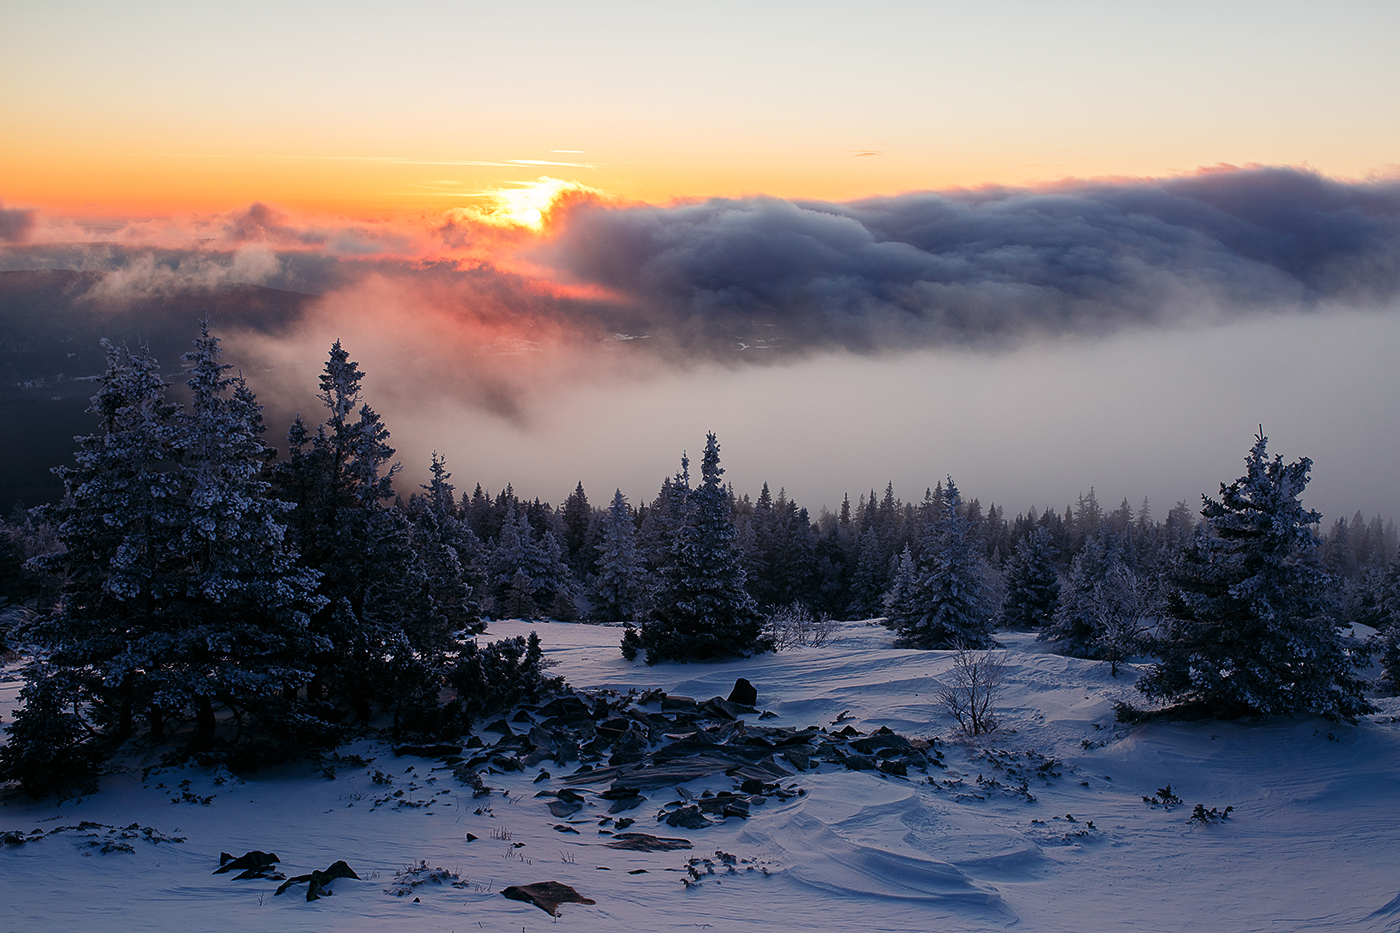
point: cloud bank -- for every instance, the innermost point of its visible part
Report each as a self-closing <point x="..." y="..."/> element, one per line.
<point x="987" y="267"/>
<point x="496" y="318"/>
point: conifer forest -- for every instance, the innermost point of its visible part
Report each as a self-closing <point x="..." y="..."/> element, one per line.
<point x="242" y="603"/>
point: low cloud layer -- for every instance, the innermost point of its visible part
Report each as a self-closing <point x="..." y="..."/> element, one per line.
<point x="495" y="317"/>
<point x="15" y="224"/>
<point x="986" y="267"/>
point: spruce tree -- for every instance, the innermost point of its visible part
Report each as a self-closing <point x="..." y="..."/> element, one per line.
<point x="248" y="601"/>
<point x="702" y="609"/>
<point x="1246" y="629"/>
<point x="950" y="605"/>
<point x="121" y="522"/>
<point x="616" y="590"/>
<point x="1032" y="583"/>
<point x="384" y="636"/>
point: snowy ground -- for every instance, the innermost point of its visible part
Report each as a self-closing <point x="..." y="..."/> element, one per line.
<point x="1312" y="842"/>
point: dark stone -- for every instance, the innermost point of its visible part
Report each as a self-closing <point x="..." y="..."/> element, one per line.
<point x="317" y="882"/>
<point x="798" y="757"/>
<point x="623" y="804"/>
<point x="546" y="895"/>
<point x="744" y="692"/>
<point x="564" y="808"/>
<point x="254" y="861"/>
<point x="688" y="818"/>
<point x="441" y="750"/>
<point x="644" y="842"/>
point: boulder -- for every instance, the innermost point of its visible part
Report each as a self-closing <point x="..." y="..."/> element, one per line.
<point x="546" y="895"/>
<point x="252" y="864"/>
<point x="744" y="693"/>
<point x="318" y="881"/>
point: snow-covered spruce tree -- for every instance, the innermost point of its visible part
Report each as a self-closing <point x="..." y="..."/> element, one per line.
<point x="1107" y="604"/>
<point x="949" y="605"/>
<point x="245" y="635"/>
<point x="1246" y="628"/>
<point x="577" y="533"/>
<point x="702" y="609"/>
<point x="121" y="524"/>
<point x="1381" y="610"/>
<point x="1032" y="583"/>
<point x="440" y="540"/>
<point x="385" y="634"/>
<point x="617" y="588"/>
<point x="180" y="590"/>
<point x="902" y="598"/>
<point x="1075" y="627"/>
<point x="49" y="747"/>
<point x="519" y="569"/>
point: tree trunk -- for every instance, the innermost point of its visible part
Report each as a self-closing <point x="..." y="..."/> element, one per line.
<point x="204" y="728"/>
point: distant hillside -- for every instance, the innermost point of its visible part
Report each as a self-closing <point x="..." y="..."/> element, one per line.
<point x="50" y="354"/>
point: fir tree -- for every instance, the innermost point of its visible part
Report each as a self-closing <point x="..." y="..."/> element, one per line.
<point x="702" y="608"/>
<point x="383" y="631"/>
<point x="49" y="747"/>
<point x="1032" y="583"/>
<point x="247" y="601"/>
<point x="123" y="561"/>
<point x="950" y="605"/>
<point x="1247" y="633"/>
<point x="616" y="591"/>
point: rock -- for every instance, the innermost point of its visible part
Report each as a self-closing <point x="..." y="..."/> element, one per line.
<point x="688" y="818"/>
<point x="317" y="881"/>
<point x="253" y="864"/>
<point x="546" y="895"/>
<point x="744" y="693"/>
<point x="798" y="757"/>
<point x="564" y="808"/>
<point x="441" y="750"/>
<point x="623" y="804"/>
<point x="645" y="842"/>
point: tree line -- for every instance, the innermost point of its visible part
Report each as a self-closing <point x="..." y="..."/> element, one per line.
<point x="194" y="582"/>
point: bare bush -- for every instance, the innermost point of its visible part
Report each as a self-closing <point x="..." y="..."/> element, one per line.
<point x="796" y="626"/>
<point x="971" y="697"/>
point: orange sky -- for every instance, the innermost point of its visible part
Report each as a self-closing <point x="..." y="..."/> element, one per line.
<point x="344" y="109"/>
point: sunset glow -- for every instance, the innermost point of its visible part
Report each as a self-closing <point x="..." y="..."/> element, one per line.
<point x="696" y="191"/>
<point x="528" y="204"/>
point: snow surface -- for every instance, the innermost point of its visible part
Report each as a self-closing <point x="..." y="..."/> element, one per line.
<point x="1312" y="842"/>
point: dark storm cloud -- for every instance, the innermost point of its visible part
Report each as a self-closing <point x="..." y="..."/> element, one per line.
<point x="986" y="267"/>
<point x="15" y="223"/>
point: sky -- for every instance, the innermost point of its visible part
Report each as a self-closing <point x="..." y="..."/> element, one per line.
<point x="1041" y="247"/>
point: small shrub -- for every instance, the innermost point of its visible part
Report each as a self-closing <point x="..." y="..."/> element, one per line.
<point x="971" y="697"/>
<point x="1163" y="798"/>
<point x="796" y="626"/>
<point x="1203" y="816"/>
<point x="503" y="673"/>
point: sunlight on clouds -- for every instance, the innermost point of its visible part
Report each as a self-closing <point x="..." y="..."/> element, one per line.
<point x="528" y="203"/>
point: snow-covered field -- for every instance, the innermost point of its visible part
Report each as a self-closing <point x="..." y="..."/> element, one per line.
<point x="1312" y="843"/>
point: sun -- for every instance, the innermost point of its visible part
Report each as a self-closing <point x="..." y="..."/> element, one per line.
<point x="528" y="203"/>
